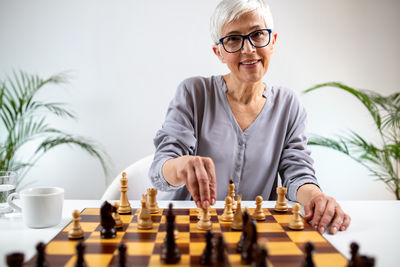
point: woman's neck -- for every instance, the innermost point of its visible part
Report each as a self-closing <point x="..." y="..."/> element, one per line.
<point x="244" y="93"/>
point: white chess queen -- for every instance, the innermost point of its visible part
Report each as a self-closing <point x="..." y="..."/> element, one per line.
<point x="239" y="127"/>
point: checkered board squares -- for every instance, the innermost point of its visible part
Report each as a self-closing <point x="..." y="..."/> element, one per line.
<point x="285" y="246"/>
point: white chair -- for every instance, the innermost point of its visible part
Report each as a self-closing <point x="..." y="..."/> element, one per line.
<point x="138" y="182"/>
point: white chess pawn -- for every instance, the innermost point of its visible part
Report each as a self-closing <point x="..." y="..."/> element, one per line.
<point x="296" y="222"/>
<point x="258" y="212"/>
<point x="227" y="216"/>
<point x="76" y="231"/>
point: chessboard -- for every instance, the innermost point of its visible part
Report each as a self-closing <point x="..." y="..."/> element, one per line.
<point x="285" y="246"/>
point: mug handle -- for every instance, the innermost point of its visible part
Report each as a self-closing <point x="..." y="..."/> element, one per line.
<point x="10" y="200"/>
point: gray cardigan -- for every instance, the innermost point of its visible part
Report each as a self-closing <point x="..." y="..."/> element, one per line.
<point x="199" y="121"/>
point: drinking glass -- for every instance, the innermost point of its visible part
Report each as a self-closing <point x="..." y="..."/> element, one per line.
<point x="8" y="182"/>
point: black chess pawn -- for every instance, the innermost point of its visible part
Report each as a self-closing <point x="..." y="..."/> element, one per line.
<point x="41" y="255"/>
<point x="354" y="255"/>
<point x="170" y="253"/>
<point x="15" y="259"/>
<point x="121" y="255"/>
<point x="80" y="251"/>
<point x="107" y="221"/>
<point x="207" y="257"/>
<point x="243" y="236"/>
<point x="357" y="260"/>
<point x="309" y="249"/>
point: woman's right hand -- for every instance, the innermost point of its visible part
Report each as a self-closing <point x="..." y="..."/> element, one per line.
<point x="197" y="173"/>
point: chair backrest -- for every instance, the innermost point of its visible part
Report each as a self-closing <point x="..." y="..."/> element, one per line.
<point x="138" y="181"/>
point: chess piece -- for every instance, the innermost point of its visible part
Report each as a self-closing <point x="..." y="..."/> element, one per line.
<point x="258" y="212"/>
<point x="76" y="231"/>
<point x="243" y="236"/>
<point x="117" y="218"/>
<point x="237" y="222"/>
<point x="207" y="256"/>
<point x="232" y="194"/>
<point x="357" y="260"/>
<point x="296" y="222"/>
<point x="41" y="255"/>
<point x="80" y="251"/>
<point x="144" y="218"/>
<point x="153" y="206"/>
<point x="15" y="259"/>
<point x="107" y="221"/>
<point x="124" y="205"/>
<point x="170" y="253"/>
<point x="353" y="262"/>
<point x="199" y="211"/>
<point x="366" y="261"/>
<point x="221" y="257"/>
<point x="281" y="205"/>
<point x="250" y="242"/>
<point x="261" y="257"/>
<point x="122" y="255"/>
<point x="204" y="223"/>
<point x="227" y="216"/>
<point x="308" y="261"/>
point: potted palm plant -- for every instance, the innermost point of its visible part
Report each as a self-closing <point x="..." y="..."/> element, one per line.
<point x="382" y="159"/>
<point x="23" y="119"/>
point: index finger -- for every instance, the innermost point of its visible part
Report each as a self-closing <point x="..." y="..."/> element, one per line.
<point x="209" y="164"/>
<point x="319" y="209"/>
<point x="203" y="181"/>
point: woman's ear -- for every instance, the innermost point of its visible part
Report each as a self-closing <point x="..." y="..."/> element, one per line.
<point x="273" y="41"/>
<point x="217" y="51"/>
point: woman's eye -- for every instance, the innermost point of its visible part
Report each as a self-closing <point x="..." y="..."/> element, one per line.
<point x="233" y="39"/>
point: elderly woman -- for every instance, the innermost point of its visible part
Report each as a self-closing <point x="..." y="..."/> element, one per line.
<point x="236" y="127"/>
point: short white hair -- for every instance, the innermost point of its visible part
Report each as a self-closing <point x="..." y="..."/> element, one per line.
<point x="230" y="10"/>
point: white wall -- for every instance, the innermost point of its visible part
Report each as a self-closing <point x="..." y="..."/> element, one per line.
<point x="126" y="58"/>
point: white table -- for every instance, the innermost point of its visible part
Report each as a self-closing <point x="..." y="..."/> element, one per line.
<point x="375" y="226"/>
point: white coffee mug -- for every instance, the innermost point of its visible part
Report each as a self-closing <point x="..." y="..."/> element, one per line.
<point x="41" y="206"/>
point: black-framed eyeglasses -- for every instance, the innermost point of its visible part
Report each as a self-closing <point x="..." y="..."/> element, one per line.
<point x="233" y="43"/>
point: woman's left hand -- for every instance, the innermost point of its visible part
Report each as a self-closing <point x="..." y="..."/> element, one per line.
<point x="322" y="210"/>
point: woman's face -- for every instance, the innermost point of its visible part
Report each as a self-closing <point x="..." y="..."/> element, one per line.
<point x="249" y="64"/>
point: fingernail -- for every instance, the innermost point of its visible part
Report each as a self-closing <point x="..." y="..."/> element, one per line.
<point x="198" y="204"/>
<point x="213" y="201"/>
<point x="334" y="230"/>
<point x="315" y="227"/>
<point x="205" y="203"/>
<point x="342" y="228"/>
<point x="321" y="230"/>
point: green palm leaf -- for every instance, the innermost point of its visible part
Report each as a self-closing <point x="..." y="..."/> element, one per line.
<point x="382" y="160"/>
<point x="363" y="96"/>
<point x="24" y="119"/>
